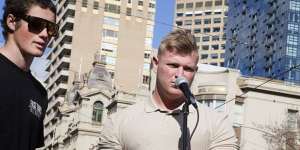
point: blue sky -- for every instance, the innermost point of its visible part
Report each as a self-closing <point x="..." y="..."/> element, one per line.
<point x="163" y="25"/>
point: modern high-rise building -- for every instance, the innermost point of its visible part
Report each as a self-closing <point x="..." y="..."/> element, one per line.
<point x="263" y="38"/>
<point x="120" y="30"/>
<point x="205" y="18"/>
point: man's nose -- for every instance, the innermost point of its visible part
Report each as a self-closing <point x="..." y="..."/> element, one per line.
<point x="44" y="34"/>
<point x="179" y="72"/>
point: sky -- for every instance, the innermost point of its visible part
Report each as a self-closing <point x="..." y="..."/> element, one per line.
<point x="163" y="25"/>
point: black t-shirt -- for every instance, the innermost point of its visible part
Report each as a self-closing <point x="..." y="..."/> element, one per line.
<point x="23" y="103"/>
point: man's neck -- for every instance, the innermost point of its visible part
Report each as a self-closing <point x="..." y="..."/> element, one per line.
<point x="12" y="52"/>
<point x="165" y="103"/>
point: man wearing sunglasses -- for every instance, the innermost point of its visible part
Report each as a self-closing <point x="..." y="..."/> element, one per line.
<point x="28" y="25"/>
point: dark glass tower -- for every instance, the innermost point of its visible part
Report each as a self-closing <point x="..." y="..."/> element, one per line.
<point x="263" y="38"/>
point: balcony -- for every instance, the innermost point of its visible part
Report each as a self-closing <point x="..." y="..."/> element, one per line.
<point x="65" y="48"/>
<point x="61" y="76"/>
<point x="60" y="89"/>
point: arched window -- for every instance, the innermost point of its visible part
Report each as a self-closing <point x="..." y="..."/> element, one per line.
<point x="97" y="111"/>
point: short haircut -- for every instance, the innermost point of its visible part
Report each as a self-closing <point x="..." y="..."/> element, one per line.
<point x="180" y="40"/>
<point x="21" y="7"/>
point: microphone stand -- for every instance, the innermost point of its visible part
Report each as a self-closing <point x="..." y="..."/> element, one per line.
<point x="185" y="140"/>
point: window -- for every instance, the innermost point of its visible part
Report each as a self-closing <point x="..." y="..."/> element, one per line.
<point x="111" y="21"/>
<point x="207" y="21"/>
<point x="97" y="111"/>
<point x="215" y="47"/>
<point x="213" y="101"/>
<point x="198" y="30"/>
<point x="206" y="30"/>
<point x="151" y="5"/>
<point x="215" y="38"/>
<point x="218" y="12"/>
<point x="188" y="22"/>
<point x="106" y="33"/>
<point x="189" y="5"/>
<point x="208" y="3"/>
<point x="108" y="47"/>
<point x="140" y="3"/>
<point x="204" y="56"/>
<point x="218" y="2"/>
<point x="223" y="55"/>
<point x="146" y="66"/>
<point x="214" y="64"/>
<point x="146" y="79"/>
<point x="146" y="55"/>
<point x="205" y="47"/>
<point x="84" y="3"/>
<point x="179" y="23"/>
<point x="197" y="21"/>
<point x="199" y="4"/>
<point x="179" y="14"/>
<point x="216" y="29"/>
<point x="128" y="11"/>
<point x="217" y="20"/>
<point x="293" y="40"/>
<point x="180" y="6"/>
<point x="205" y="39"/>
<point x="112" y="8"/>
<point x="292" y="119"/>
<point x="208" y="13"/>
<point x="110" y="60"/>
<point x="96" y="5"/>
<point x="214" y="56"/>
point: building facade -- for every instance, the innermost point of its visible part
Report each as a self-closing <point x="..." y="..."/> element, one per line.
<point x="120" y="31"/>
<point x="205" y="19"/>
<point x="259" y="108"/>
<point x="263" y="38"/>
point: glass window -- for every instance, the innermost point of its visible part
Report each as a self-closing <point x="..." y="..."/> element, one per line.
<point x="146" y="79"/>
<point x="197" y="21"/>
<point x="207" y="21"/>
<point x="128" y="12"/>
<point x="112" y="8"/>
<point x="110" y="60"/>
<point x="179" y="23"/>
<point x="188" y="22"/>
<point x="140" y="3"/>
<point x="204" y="56"/>
<point x="146" y="66"/>
<point x="292" y="119"/>
<point x="205" y="47"/>
<point x="179" y="14"/>
<point x="189" y="5"/>
<point x="293" y="40"/>
<point x="180" y="6"/>
<point x="96" y="5"/>
<point x="295" y="5"/>
<point x="111" y="21"/>
<point x="218" y="2"/>
<point x="215" y="38"/>
<point x="199" y="4"/>
<point x="106" y="33"/>
<point x="216" y="29"/>
<point x="217" y="20"/>
<point x="197" y="30"/>
<point x="215" y="47"/>
<point x="205" y="38"/>
<point x="97" y="111"/>
<point x="206" y="30"/>
<point x="151" y="5"/>
<point x="214" y="56"/>
<point x="208" y="3"/>
<point x="84" y="3"/>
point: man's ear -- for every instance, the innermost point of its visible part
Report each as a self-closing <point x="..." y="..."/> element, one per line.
<point x="11" y="22"/>
<point x="154" y="63"/>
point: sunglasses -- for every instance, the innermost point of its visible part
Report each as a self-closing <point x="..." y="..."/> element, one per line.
<point x="37" y="25"/>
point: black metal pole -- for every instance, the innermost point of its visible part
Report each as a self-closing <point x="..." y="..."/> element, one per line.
<point x="185" y="140"/>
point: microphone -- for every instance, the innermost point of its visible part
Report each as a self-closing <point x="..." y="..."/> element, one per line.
<point x="183" y="85"/>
